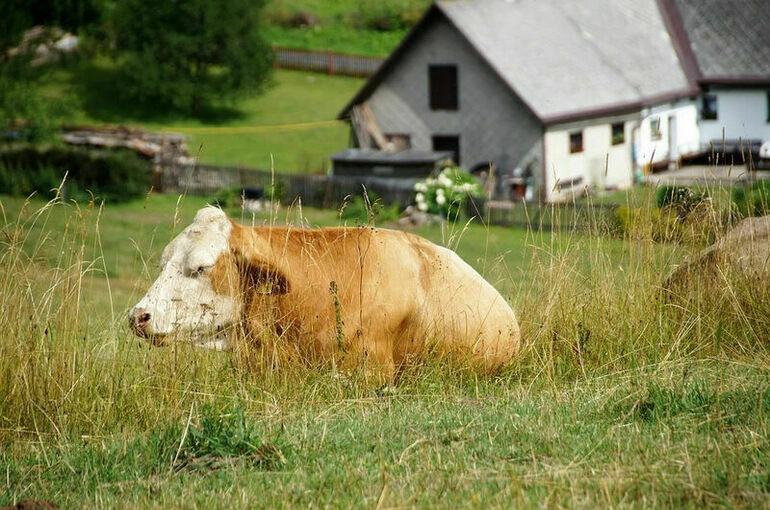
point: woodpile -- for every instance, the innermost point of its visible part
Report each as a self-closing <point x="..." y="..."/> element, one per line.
<point x="367" y="131"/>
<point x="159" y="147"/>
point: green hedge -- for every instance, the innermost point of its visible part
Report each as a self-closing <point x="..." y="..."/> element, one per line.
<point x="113" y="176"/>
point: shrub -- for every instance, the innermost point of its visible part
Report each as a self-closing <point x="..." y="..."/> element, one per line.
<point x="364" y="213"/>
<point x="647" y="223"/>
<point x="115" y="176"/>
<point x="679" y="198"/>
<point x="385" y="16"/>
<point x="227" y="197"/>
<point x="447" y="193"/>
<point x="753" y="200"/>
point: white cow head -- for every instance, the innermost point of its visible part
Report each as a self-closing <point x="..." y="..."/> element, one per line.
<point x="206" y="282"/>
<point x="195" y="294"/>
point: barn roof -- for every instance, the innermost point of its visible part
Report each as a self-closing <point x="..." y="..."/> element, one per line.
<point x="728" y="41"/>
<point x="565" y="60"/>
<point x="570" y="58"/>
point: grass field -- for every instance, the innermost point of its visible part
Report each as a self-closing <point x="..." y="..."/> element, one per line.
<point x="344" y="26"/>
<point x="621" y="398"/>
<point x="293" y="120"/>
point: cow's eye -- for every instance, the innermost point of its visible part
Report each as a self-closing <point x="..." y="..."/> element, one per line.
<point x="197" y="272"/>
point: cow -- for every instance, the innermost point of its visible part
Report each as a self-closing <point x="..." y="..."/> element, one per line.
<point x="353" y="295"/>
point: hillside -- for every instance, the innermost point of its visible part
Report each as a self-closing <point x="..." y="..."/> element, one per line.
<point x="292" y="120"/>
<point x="364" y="27"/>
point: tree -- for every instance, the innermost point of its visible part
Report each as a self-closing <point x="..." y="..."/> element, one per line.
<point x="188" y="53"/>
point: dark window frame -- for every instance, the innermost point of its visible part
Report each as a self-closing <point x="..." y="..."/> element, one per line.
<point x="576" y="142"/>
<point x="618" y="138"/>
<point x="709" y="107"/>
<point x="438" y="147"/>
<point x="443" y="87"/>
<point x="655" y="132"/>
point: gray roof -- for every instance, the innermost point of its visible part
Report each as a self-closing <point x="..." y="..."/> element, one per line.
<point x="406" y="157"/>
<point x="568" y="58"/>
<point x="729" y="39"/>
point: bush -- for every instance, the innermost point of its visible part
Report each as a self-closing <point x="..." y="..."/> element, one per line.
<point x="647" y="223"/>
<point x="448" y="193"/>
<point x="227" y="197"/>
<point x="364" y="213"/>
<point x="679" y="198"/>
<point x="114" y="176"/>
<point x="385" y="16"/>
<point x="753" y="200"/>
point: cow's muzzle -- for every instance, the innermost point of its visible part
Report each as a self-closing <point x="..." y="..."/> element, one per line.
<point x="139" y="320"/>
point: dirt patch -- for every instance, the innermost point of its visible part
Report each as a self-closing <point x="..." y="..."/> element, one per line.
<point x="31" y="504"/>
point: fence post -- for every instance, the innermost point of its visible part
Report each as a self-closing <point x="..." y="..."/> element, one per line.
<point x="330" y="62"/>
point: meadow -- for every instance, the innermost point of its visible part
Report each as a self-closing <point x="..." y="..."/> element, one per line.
<point x="289" y="127"/>
<point x="622" y="396"/>
<point x="359" y="27"/>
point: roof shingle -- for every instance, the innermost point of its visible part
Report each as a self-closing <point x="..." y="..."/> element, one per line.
<point x="563" y="58"/>
<point x="730" y="39"/>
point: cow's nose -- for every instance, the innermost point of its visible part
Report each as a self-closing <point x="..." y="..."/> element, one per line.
<point x="139" y="319"/>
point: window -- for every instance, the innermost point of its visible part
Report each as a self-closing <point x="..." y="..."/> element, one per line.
<point x="655" y="128"/>
<point x="448" y="143"/>
<point x="400" y="141"/>
<point x="768" y="105"/>
<point x="709" y="107"/>
<point x="442" y="83"/>
<point x="618" y="133"/>
<point x="576" y="142"/>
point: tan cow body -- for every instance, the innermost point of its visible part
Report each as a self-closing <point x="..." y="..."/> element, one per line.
<point x="355" y="295"/>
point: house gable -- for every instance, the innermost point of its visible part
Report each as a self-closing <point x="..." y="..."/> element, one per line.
<point x="490" y="122"/>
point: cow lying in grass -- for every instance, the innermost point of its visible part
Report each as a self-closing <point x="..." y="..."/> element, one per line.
<point x="352" y="295"/>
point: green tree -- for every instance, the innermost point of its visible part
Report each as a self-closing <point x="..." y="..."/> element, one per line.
<point x="187" y="54"/>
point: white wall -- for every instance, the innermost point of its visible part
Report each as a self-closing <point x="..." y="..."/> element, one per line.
<point x="648" y="149"/>
<point x="741" y="112"/>
<point x="600" y="164"/>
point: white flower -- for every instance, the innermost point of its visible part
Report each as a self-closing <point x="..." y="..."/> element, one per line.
<point x="440" y="191"/>
<point x="420" y="186"/>
<point x="419" y="197"/>
<point x="440" y="199"/>
<point x="444" y="180"/>
<point x="422" y="206"/>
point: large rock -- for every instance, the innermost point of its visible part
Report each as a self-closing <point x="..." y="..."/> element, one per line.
<point x="744" y="249"/>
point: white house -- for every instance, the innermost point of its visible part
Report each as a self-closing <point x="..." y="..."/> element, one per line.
<point x="576" y="94"/>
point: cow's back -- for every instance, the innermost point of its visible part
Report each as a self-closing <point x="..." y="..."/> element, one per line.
<point x="396" y="289"/>
<point x="461" y="310"/>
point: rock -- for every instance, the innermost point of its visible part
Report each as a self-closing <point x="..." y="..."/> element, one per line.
<point x="413" y="218"/>
<point x="745" y="248"/>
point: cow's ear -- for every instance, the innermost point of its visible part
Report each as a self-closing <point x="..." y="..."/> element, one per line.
<point x="264" y="278"/>
<point x="259" y="273"/>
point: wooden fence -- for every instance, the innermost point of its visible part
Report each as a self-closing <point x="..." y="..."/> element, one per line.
<point x="325" y="62"/>
<point x="314" y="190"/>
<point x="330" y="192"/>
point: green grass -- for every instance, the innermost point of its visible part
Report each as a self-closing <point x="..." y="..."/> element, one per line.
<point x="292" y="121"/>
<point x="620" y="398"/>
<point x="337" y="38"/>
<point x="343" y="25"/>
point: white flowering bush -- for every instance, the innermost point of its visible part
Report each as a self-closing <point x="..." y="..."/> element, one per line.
<point x="447" y="193"/>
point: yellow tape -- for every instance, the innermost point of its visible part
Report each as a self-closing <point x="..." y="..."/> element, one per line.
<point x="227" y="130"/>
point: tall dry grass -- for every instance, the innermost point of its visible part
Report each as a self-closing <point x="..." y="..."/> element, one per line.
<point x="591" y="308"/>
